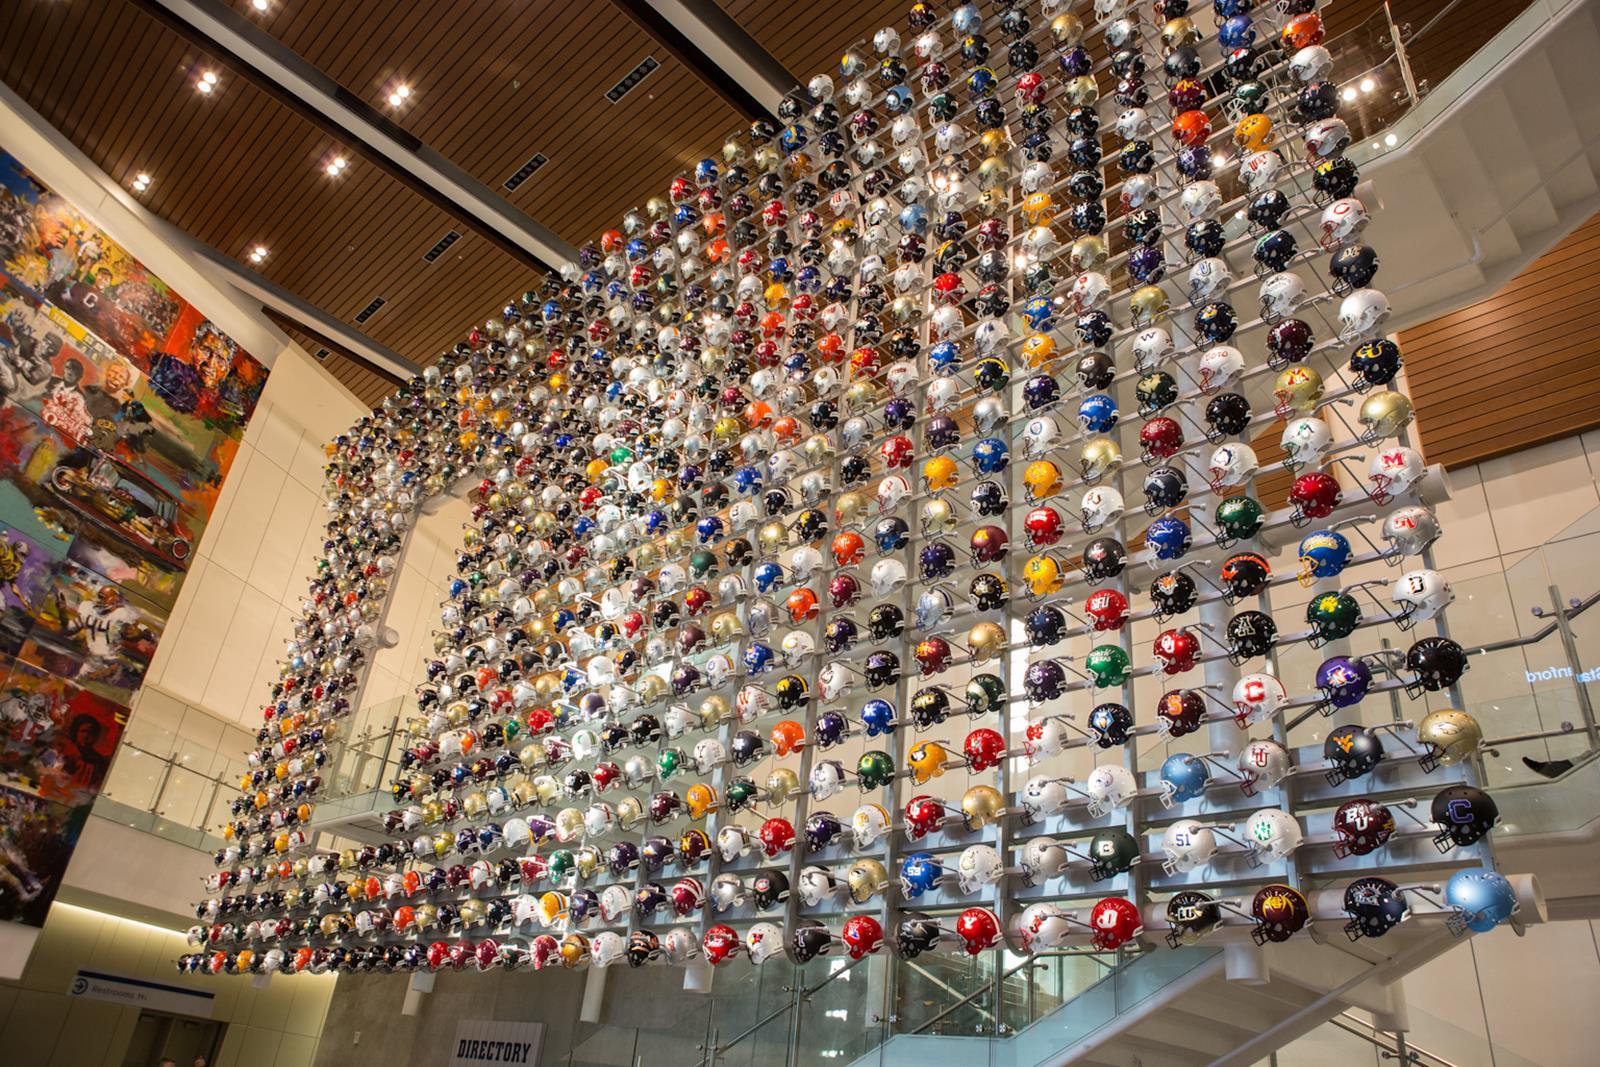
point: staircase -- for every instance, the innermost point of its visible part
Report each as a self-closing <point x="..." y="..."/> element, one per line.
<point x="1492" y="168"/>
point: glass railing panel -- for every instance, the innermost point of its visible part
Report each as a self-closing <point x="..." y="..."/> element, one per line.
<point x="947" y="995"/>
<point x="843" y="1018"/>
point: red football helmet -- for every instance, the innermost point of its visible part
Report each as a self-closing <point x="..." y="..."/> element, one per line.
<point x="698" y="600"/>
<point x="1177" y="650"/>
<point x="844" y="590"/>
<point x="438" y="955"/>
<point x="1362" y="827"/>
<point x="1043" y="525"/>
<point x="933" y="655"/>
<point x="688" y="896"/>
<point x="802" y="604"/>
<point x="721" y="942"/>
<point x="545" y="950"/>
<point x="978" y="929"/>
<point x="606" y="774"/>
<point x="984" y="748"/>
<point x="924" y="815"/>
<point x="777" y="836"/>
<point x="1314" y="496"/>
<point x="862" y="936"/>
<point x="948" y="288"/>
<point x="487" y="954"/>
<point x="1161" y="437"/>
<point x="865" y="362"/>
<point x="988" y="544"/>
<point x="897" y="453"/>
<point x="848" y="548"/>
<point x="1108" y="608"/>
<point x="1115" y="921"/>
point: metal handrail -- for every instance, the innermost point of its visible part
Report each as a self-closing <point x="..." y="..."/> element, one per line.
<point x="1400" y="1049"/>
<point x="802" y="993"/>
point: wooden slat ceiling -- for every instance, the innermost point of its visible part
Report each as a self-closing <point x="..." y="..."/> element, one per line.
<point x="494" y="82"/>
<point x="1517" y="369"/>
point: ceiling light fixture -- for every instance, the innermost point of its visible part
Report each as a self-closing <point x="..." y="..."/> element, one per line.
<point x="400" y="95"/>
<point x="258" y="253"/>
<point x="1367" y="85"/>
<point x="336" y="166"/>
<point x="1349" y="93"/>
<point x="141" y="182"/>
<point x="206" y="83"/>
<point x="260" y="5"/>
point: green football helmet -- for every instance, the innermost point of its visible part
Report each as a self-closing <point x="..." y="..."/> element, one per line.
<point x="1112" y="852"/>
<point x="1332" y="616"/>
<point x="1239" y="518"/>
<point x="703" y="564"/>
<point x="874" y="770"/>
<point x="1108" y="664"/>
<point x="562" y="863"/>
<point x="985" y="693"/>
<point x="740" y="794"/>
<point x="670" y="762"/>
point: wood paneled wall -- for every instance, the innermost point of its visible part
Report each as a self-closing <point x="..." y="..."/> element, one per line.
<point x="1517" y="369"/>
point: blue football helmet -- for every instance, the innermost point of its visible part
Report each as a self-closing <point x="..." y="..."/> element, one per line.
<point x="877" y="716"/>
<point x="1323" y="554"/>
<point x="1040" y="313"/>
<point x="1185" y="776"/>
<point x="1482" y="899"/>
<point x="1097" y="413"/>
<point x="768" y="575"/>
<point x="919" y="873"/>
<point x="990" y="455"/>
<point x="1169" y="538"/>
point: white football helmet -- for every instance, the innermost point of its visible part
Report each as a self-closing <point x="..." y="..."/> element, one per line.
<point x="990" y="336"/>
<point x="1201" y="200"/>
<point x="805" y="562"/>
<point x="1281" y="294"/>
<point x="1257" y="698"/>
<point x="733" y="841"/>
<point x="1138" y="191"/>
<point x="1326" y="140"/>
<point x="1343" y="222"/>
<point x="1101" y="505"/>
<point x="817" y="884"/>
<point x="1394" y="471"/>
<point x="979" y="866"/>
<point x="1187" y="844"/>
<point x="986" y="413"/>
<point x="1362" y="315"/>
<point x="1220" y="367"/>
<point x="798" y="646"/>
<point x="1134" y="124"/>
<point x="615" y="903"/>
<point x="892" y="492"/>
<point x="1262" y="764"/>
<point x="1044" y="738"/>
<point x="709" y="754"/>
<point x="1150" y="347"/>
<point x="1110" y="786"/>
<point x="1311" y="64"/>
<point x="1209" y="280"/>
<point x="1232" y="464"/>
<point x="1037" y="176"/>
<point x="1043" y="795"/>
<point x="888" y="575"/>
<point x="1420" y="595"/>
<point x="1043" y="926"/>
<point x="763" y="941"/>
<point x="1262" y="170"/>
<point x="869" y="823"/>
<point x="1042" y="858"/>
<point x="1305" y="442"/>
<point x="1274" y="833"/>
<point x="606" y="948"/>
<point x="835" y="680"/>
<point x="1039" y="436"/>
<point x="827" y="780"/>
<point x="1410" y="530"/>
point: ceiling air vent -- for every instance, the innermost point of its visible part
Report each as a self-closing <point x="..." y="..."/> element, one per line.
<point x="323" y="353"/>
<point x="633" y="78"/>
<point x="442" y="246"/>
<point x="371" y="309"/>
<point x="525" y="171"/>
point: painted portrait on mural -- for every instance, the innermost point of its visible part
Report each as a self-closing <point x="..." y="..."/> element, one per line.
<point x="56" y="739"/>
<point x="121" y="411"/>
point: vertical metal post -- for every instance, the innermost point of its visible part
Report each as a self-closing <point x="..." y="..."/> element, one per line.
<point x="1401" y="59"/>
<point x="1574" y="660"/>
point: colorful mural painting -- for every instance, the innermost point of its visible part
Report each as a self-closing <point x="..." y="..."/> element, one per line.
<point x="121" y="410"/>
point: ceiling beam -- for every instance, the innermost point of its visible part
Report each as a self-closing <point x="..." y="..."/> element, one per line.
<point x="271" y="66"/>
<point x="706" y="39"/>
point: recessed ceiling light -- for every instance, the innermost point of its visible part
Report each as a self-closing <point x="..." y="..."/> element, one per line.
<point x="1367" y="85"/>
<point x="258" y="253"/>
<point x="141" y="182"/>
<point x="206" y="82"/>
<point x="335" y="166"/>
<point x="260" y="5"/>
<point x="1349" y="92"/>
<point x="399" y="95"/>
<point x="1390" y="139"/>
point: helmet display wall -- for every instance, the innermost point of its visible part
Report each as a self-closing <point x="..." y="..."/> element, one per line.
<point x="794" y="587"/>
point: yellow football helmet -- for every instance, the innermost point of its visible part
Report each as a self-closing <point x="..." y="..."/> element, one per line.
<point x="1148" y="304"/>
<point x="1042" y="479"/>
<point x="867" y="878"/>
<point x="940" y="473"/>
<point x="702" y="801"/>
<point x="1043" y="575"/>
<point x="1297" y="391"/>
<point x="927" y="760"/>
<point x="1449" y="735"/>
<point x="1384" y="415"/>
<point x="1253" y="133"/>
<point x="574" y="950"/>
<point x="1039" y="209"/>
<point x="1038" y="349"/>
